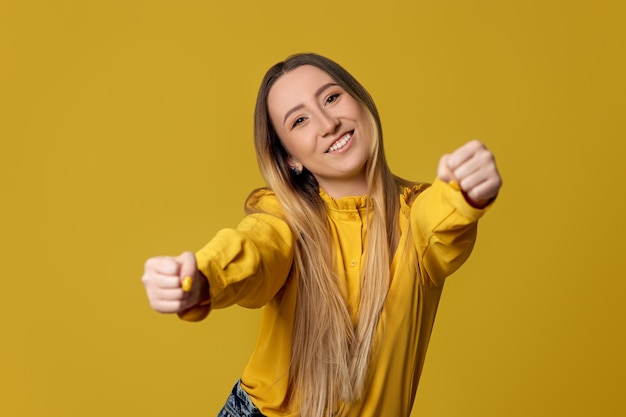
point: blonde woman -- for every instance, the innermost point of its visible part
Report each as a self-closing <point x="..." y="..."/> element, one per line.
<point x="347" y="259"/>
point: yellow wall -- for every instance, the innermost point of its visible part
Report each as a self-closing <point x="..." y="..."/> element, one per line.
<point x="125" y="133"/>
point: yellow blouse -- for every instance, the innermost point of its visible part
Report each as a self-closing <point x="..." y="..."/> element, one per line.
<point x="250" y="266"/>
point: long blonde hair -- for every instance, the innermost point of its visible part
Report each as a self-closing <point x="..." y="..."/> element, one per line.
<point x="330" y="355"/>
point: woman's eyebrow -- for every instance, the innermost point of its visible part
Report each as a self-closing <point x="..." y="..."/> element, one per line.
<point x="318" y="92"/>
<point x="324" y="87"/>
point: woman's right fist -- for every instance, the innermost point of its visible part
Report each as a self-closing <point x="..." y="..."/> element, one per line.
<point x="163" y="279"/>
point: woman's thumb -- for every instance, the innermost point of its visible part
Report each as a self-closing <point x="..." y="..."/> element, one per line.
<point x="187" y="272"/>
<point x="443" y="170"/>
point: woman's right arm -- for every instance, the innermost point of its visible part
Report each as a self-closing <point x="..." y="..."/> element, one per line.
<point x="250" y="264"/>
<point x="247" y="266"/>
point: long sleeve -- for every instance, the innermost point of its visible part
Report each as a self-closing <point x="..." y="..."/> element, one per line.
<point x="247" y="265"/>
<point x="444" y="229"/>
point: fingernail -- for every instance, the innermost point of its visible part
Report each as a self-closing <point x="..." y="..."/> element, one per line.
<point x="187" y="281"/>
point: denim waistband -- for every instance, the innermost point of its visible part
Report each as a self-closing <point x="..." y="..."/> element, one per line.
<point x="239" y="404"/>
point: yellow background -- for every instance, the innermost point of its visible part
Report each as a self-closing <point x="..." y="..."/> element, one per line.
<point x="126" y="131"/>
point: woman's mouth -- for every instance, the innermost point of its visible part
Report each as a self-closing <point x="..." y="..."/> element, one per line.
<point x="340" y="143"/>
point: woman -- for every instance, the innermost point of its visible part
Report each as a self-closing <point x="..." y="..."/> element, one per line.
<point x="347" y="259"/>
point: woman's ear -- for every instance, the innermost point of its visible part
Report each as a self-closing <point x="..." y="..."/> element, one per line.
<point x="294" y="164"/>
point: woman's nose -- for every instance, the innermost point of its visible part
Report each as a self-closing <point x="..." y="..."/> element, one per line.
<point x="327" y="123"/>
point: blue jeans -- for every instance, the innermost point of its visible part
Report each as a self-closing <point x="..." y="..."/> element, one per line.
<point x="238" y="404"/>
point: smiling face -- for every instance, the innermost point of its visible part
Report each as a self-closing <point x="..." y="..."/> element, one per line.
<point x="323" y="129"/>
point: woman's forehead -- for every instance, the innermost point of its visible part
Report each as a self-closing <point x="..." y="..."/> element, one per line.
<point x="298" y="84"/>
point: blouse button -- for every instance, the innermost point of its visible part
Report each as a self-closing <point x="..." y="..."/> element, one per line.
<point x="352" y="263"/>
<point x="352" y="216"/>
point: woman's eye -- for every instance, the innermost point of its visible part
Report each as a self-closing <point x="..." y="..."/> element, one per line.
<point x="298" y="121"/>
<point x="332" y="98"/>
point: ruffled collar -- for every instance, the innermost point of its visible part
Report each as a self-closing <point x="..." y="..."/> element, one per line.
<point x="407" y="196"/>
<point x="344" y="203"/>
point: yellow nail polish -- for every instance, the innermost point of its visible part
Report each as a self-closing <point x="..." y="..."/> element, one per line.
<point x="187" y="281"/>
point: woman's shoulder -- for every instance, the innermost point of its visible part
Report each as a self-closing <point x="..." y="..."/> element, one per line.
<point x="263" y="200"/>
<point x="410" y="190"/>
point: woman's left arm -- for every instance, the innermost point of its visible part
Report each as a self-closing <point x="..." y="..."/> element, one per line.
<point x="444" y="217"/>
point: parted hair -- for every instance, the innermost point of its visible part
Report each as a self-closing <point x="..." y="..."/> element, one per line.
<point x="330" y="354"/>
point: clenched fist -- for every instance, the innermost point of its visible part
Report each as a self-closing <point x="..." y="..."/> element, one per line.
<point x="473" y="167"/>
<point x="163" y="278"/>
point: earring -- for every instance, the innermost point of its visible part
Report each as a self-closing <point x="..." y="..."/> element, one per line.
<point x="297" y="170"/>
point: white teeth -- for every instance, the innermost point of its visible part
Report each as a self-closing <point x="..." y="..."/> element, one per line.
<point x="340" y="143"/>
